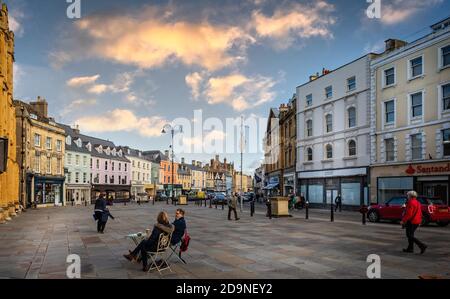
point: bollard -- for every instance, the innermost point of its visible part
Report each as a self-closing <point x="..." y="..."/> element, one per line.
<point x="139" y="201"/>
<point x="269" y="209"/>
<point x="85" y="203"/>
<point x="154" y="199"/>
<point x="332" y="213"/>
<point x="223" y="205"/>
<point x="216" y="204"/>
<point x="252" y="208"/>
<point x="210" y="203"/>
<point x="307" y="210"/>
<point x="364" y="218"/>
<point x="363" y="210"/>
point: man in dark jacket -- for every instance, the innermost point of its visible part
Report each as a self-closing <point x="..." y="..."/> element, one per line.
<point x="338" y="202"/>
<point x="180" y="227"/>
<point x="99" y="208"/>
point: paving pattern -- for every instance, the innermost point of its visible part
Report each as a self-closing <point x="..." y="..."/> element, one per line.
<point x="36" y="244"/>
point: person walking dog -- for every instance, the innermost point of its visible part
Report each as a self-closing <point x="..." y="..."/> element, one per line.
<point x="411" y="221"/>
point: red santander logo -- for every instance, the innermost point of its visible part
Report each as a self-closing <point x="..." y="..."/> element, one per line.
<point x="410" y="170"/>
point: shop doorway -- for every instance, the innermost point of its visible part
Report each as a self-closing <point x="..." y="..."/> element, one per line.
<point x="439" y="190"/>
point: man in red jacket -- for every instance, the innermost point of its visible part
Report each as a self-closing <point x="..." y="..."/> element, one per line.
<point x="411" y="220"/>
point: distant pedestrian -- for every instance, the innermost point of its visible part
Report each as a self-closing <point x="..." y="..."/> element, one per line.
<point x="105" y="215"/>
<point x="411" y="221"/>
<point x="302" y="201"/>
<point x="338" y="202"/>
<point x="269" y="208"/>
<point x="99" y="208"/>
<point x="232" y="205"/>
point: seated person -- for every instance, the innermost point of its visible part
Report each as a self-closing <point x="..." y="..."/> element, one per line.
<point x="161" y="227"/>
<point x="180" y="227"/>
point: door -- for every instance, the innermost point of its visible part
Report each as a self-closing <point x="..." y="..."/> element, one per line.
<point x="439" y="190"/>
<point x="331" y="195"/>
<point x="393" y="209"/>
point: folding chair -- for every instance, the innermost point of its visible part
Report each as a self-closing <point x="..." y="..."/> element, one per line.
<point x="161" y="252"/>
<point x="174" y="249"/>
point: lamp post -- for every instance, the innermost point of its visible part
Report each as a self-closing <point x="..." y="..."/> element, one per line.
<point x="243" y="142"/>
<point x="172" y="129"/>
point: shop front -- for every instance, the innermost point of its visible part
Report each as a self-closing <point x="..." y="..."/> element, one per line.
<point x="289" y="183"/>
<point x="78" y="194"/>
<point x="429" y="179"/>
<point x="321" y="187"/>
<point x="176" y="187"/>
<point x="46" y="191"/>
<point x="272" y="186"/>
<point x="113" y="192"/>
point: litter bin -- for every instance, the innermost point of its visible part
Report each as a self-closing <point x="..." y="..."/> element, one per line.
<point x="280" y="206"/>
<point x="182" y="200"/>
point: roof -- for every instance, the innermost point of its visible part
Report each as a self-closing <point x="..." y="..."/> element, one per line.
<point x="95" y="142"/>
<point x="155" y="156"/>
<point x="194" y="167"/>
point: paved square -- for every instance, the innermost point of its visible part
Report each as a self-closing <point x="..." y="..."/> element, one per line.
<point x="36" y="243"/>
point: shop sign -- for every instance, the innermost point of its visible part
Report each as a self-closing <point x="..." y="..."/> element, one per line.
<point x="420" y="169"/>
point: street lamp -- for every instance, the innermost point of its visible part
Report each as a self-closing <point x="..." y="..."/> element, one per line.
<point x="172" y="129"/>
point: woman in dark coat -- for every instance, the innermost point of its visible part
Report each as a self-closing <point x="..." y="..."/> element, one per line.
<point x="100" y="206"/>
<point x="162" y="226"/>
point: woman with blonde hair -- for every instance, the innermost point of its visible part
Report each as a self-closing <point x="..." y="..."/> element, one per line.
<point x="162" y="226"/>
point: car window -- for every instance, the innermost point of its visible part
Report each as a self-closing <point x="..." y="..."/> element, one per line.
<point x="397" y="201"/>
<point x="437" y="201"/>
<point x="422" y="200"/>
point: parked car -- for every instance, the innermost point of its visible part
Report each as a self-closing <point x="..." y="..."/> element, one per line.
<point x="219" y="198"/>
<point x="434" y="210"/>
<point x="161" y="197"/>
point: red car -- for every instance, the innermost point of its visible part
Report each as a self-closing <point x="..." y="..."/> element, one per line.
<point x="433" y="210"/>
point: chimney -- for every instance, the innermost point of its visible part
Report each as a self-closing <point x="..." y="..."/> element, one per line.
<point x="182" y="160"/>
<point x="76" y="129"/>
<point x="40" y="106"/>
<point x="393" y="44"/>
<point x="193" y="162"/>
<point x="199" y="164"/>
<point x="217" y="157"/>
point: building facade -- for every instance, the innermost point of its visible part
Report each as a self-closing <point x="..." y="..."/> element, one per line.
<point x="333" y="135"/>
<point x="410" y="120"/>
<point x="41" y="151"/>
<point x="272" y="154"/>
<point x="77" y="168"/>
<point x="245" y="186"/>
<point x="141" y="171"/>
<point x="9" y="166"/>
<point x="222" y="174"/>
<point x="198" y="176"/>
<point x="288" y="145"/>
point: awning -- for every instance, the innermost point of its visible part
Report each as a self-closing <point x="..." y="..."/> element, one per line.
<point x="271" y="186"/>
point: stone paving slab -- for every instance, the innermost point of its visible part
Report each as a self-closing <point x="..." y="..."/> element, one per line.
<point x="36" y="243"/>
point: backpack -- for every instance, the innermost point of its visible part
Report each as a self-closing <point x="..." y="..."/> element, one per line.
<point x="185" y="242"/>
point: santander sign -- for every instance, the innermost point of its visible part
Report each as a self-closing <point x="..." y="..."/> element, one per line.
<point x="419" y="169"/>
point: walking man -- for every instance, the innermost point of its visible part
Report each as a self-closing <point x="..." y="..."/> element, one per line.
<point x="338" y="202"/>
<point x="232" y="205"/>
<point x="99" y="208"/>
<point x="411" y="221"/>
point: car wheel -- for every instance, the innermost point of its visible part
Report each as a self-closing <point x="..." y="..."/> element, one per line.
<point x="425" y="220"/>
<point x="373" y="216"/>
<point x="442" y="223"/>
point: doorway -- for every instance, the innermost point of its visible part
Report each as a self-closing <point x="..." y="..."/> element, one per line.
<point x="436" y="189"/>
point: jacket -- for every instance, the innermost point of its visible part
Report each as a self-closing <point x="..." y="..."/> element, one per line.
<point x="105" y="215"/>
<point x="100" y="204"/>
<point x="158" y="229"/>
<point x="178" y="233"/>
<point x="413" y="212"/>
<point x="232" y="203"/>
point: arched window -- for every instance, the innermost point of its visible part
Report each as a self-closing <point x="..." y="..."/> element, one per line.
<point x="309" y="128"/>
<point x="329" y="150"/>
<point x="352" y="148"/>
<point x="351" y="117"/>
<point x="309" y="154"/>
<point x="329" y="123"/>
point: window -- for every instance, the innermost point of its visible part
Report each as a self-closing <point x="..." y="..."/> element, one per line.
<point x="48" y="143"/>
<point x="84" y="161"/>
<point x="389" y="111"/>
<point x="329" y="123"/>
<point x="416" y="67"/>
<point x="309" y="153"/>
<point x="106" y="165"/>
<point x="125" y="179"/>
<point x="37" y="140"/>
<point x="309" y="128"/>
<point x="120" y="166"/>
<point x="58" y="145"/>
<point x="351" y="117"/>
<point x="69" y="159"/>
<point x="69" y="177"/>
<point x="389" y="77"/>
<point x="446" y="141"/>
<point x="106" y="179"/>
<point x="77" y="177"/>
<point x="49" y="165"/>
<point x="416" y="146"/>
<point x="58" y="166"/>
<point x="84" y="178"/>
<point x="445" y="56"/>
<point x="37" y="162"/>
<point x="134" y="163"/>
<point x="329" y="92"/>
<point x="90" y="163"/>
<point x="98" y="164"/>
<point x="309" y="100"/>
<point x="329" y="150"/>
<point x="351" y="83"/>
<point x="125" y="167"/>
<point x="394" y="187"/>
<point x="352" y="148"/>
<point x="139" y="164"/>
<point x="112" y="166"/>
<point x="446" y="97"/>
<point x="416" y="104"/>
<point x="77" y="160"/>
<point x="389" y="144"/>
<point x="120" y="179"/>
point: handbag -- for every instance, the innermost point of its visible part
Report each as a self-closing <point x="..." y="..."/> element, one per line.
<point x="185" y="242"/>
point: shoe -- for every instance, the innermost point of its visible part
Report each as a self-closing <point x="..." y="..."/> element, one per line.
<point x="408" y="250"/>
<point x="146" y="268"/>
<point x="129" y="257"/>
<point x="422" y="250"/>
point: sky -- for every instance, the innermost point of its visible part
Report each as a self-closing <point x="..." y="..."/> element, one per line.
<point x="126" y="68"/>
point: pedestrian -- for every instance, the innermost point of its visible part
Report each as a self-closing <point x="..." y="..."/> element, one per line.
<point x="302" y="201"/>
<point x="411" y="221"/>
<point x="269" y="208"/>
<point x="179" y="226"/>
<point x="104" y="218"/>
<point x="162" y="226"/>
<point x="232" y="205"/>
<point x="338" y="202"/>
<point x="100" y="206"/>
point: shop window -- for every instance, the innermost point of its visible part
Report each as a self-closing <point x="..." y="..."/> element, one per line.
<point x="390" y="149"/>
<point x="393" y="187"/>
<point x="446" y="141"/>
<point x="315" y="192"/>
<point x="351" y="193"/>
<point x="416" y="146"/>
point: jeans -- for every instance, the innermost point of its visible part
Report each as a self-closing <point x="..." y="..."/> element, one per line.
<point x="98" y="215"/>
<point x="229" y="213"/>
<point x="142" y="248"/>
<point x="410" y="229"/>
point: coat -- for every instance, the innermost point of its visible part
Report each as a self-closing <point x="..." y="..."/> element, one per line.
<point x="232" y="203"/>
<point x="180" y="227"/>
<point x="413" y="212"/>
<point x="100" y="204"/>
<point x="151" y="243"/>
<point x="105" y="215"/>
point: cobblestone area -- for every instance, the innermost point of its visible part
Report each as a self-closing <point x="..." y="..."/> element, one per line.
<point x="36" y="244"/>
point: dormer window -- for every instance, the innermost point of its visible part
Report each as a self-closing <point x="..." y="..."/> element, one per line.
<point x="108" y="151"/>
<point x="78" y="142"/>
<point x="68" y="140"/>
<point x="99" y="149"/>
<point x="114" y="151"/>
<point x="89" y="147"/>
<point x="120" y="153"/>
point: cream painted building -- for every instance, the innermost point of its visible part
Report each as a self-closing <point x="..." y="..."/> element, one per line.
<point x="410" y="117"/>
<point x="141" y="171"/>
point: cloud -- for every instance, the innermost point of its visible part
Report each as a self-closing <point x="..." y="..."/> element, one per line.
<point x="122" y="120"/>
<point x="208" y="138"/>
<point x="194" y="80"/>
<point x="122" y="83"/>
<point x="376" y="47"/>
<point x="16" y="17"/>
<point x="399" y="10"/>
<point x="80" y="81"/>
<point x="289" y="23"/>
<point x="77" y="105"/>
<point x="98" y="89"/>
<point x="150" y="40"/>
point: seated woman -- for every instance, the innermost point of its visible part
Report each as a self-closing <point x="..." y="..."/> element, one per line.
<point x="161" y="227"/>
